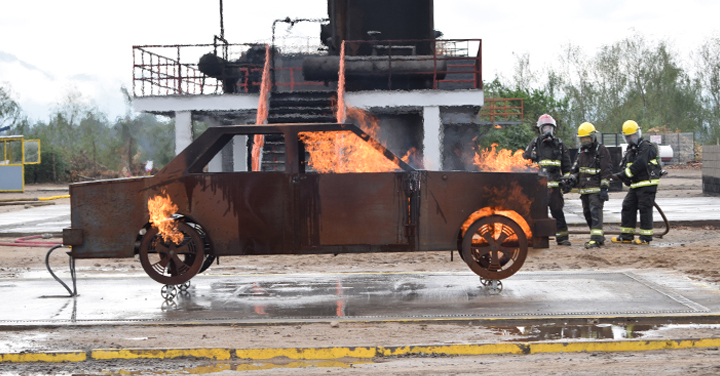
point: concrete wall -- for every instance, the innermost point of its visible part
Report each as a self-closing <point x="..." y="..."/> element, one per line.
<point x="711" y="169"/>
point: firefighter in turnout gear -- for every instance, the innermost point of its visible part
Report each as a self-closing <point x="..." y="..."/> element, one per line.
<point x="641" y="171"/>
<point x="549" y="152"/>
<point x="591" y="173"/>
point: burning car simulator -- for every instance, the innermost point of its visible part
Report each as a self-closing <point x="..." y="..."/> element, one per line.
<point x="183" y="218"/>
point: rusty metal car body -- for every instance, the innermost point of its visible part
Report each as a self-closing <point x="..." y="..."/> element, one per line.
<point x="297" y="211"/>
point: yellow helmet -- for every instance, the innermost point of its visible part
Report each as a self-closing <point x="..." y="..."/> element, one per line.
<point x="630" y="127"/>
<point x="586" y="129"/>
<point x="632" y="132"/>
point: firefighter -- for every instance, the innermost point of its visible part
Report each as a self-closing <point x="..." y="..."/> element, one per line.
<point x="591" y="173"/>
<point x="641" y="171"/>
<point x="551" y="154"/>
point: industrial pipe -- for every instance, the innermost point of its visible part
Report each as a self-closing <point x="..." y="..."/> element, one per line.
<point x="325" y="68"/>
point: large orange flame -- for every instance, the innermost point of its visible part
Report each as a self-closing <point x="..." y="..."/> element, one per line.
<point x="161" y="210"/>
<point x="341" y="86"/>
<point x="501" y="198"/>
<point x="344" y="152"/>
<point x="262" y="111"/>
<point x="502" y="160"/>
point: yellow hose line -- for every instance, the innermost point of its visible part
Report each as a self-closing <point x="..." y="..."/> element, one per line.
<point x="53" y="198"/>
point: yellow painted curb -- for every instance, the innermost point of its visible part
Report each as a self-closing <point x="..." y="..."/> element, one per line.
<point x="330" y="353"/>
<point x="217" y="354"/>
<point x="54" y="357"/>
<point x="312" y="353"/>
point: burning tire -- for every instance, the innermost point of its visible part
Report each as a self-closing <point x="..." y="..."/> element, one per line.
<point x="170" y="262"/>
<point x="494" y="247"/>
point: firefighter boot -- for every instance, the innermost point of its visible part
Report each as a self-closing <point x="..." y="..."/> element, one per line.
<point x="592" y="244"/>
<point x="620" y="239"/>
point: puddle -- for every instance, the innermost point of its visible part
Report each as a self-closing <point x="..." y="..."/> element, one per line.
<point x="255" y="366"/>
<point x="14" y="342"/>
<point x="551" y="332"/>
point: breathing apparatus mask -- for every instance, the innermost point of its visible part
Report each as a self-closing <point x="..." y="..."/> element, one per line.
<point x="547" y="131"/>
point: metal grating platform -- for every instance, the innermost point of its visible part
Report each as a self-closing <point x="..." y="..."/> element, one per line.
<point x="386" y="296"/>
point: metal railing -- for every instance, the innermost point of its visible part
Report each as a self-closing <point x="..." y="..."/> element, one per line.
<point x="160" y="70"/>
<point x="450" y="61"/>
<point x="507" y="110"/>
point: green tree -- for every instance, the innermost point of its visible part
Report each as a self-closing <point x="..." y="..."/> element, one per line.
<point x="10" y="112"/>
<point x="536" y="102"/>
<point x="707" y="65"/>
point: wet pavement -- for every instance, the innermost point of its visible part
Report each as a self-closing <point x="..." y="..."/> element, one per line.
<point x="358" y="297"/>
<point x="684" y="211"/>
<point x="43" y="219"/>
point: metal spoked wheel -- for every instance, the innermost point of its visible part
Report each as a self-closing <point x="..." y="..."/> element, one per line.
<point x="494" y="247"/>
<point x="184" y="287"/>
<point x="494" y="287"/>
<point x="209" y="257"/>
<point x="170" y="263"/>
<point x="168" y="292"/>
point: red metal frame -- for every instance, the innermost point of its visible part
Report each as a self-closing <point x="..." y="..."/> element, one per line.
<point x="506" y="109"/>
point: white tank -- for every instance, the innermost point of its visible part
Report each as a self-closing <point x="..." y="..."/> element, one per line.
<point x="666" y="152"/>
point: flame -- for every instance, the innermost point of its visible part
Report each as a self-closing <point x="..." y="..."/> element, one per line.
<point x="497" y="126"/>
<point x="488" y="211"/>
<point x="502" y="198"/>
<point x="161" y="210"/>
<point x="502" y="160"/>
<point x="412" y="157"/>
<point x="341" y="86"/>
<point x="262" y="112"/>
<point x="345" y="152"/>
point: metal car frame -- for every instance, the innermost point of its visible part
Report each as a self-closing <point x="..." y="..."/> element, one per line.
<point x="491" y="218"/>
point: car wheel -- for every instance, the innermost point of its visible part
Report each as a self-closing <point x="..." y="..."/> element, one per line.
<point x="494" y="247"/>
<point x="172" y="263"/>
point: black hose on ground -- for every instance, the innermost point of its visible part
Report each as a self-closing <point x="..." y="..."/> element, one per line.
<point x="72" y="292"/>
<point x="659" y="236"/>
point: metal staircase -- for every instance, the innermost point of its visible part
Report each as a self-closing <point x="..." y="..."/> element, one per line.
<point x="294" y="107"/>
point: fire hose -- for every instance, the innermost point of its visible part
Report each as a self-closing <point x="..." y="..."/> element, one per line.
<point x="34" y="198"/>
<point x="27" y="241"/>
<point x="659" y="236"/>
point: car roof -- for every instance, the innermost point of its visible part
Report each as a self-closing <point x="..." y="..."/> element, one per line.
<point x="205" y="147"/>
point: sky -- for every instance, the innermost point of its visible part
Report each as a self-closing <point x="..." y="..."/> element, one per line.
<point x="49" y="48"/>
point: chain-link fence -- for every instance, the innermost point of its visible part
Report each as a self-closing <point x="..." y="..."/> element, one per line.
<point x="683" y="144"/>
